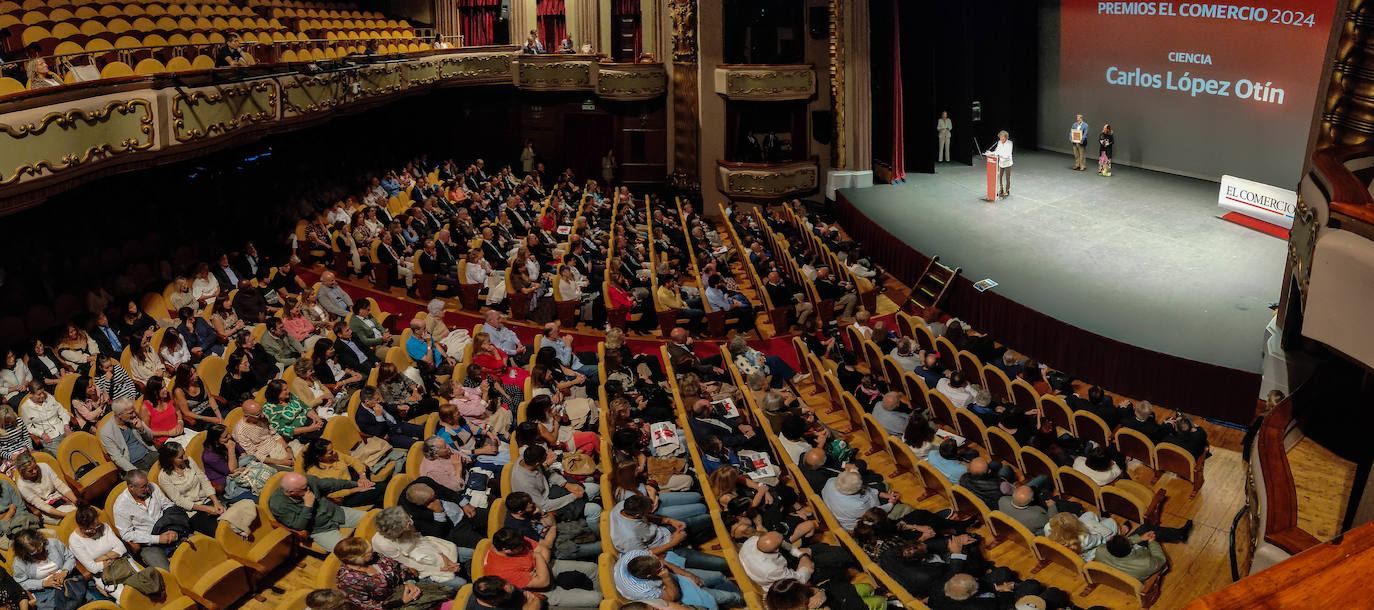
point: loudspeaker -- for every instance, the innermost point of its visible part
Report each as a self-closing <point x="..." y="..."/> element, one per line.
<point x="505" y="10"/>
<point x="819" y="22"/>
<point x="822" y="126"/>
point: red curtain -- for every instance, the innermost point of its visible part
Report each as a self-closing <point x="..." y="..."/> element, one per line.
<point x="477" y="21"/>
<point x="553" y="24"/>
<point x="625" y="15"/>
<point x="898" y="124"/>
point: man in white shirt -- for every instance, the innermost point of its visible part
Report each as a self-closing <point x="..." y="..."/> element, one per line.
<point x="761" y="557"/>
<point x="958" y="390"/>
<point x="136" y="510"/>
<point x="504" y="338"/>
<point x="1003" y="153"/>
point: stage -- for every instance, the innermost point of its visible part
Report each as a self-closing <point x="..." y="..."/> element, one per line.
<point x="1131" y="281"/>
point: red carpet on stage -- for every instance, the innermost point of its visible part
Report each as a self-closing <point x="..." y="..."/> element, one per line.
<point x="1256" y="224"/>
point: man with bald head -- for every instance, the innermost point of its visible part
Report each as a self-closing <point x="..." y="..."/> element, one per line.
<point x="302" y="503"/>
<point x="961" y="591"/>
<point x="682" y="353"/>
<point x="255" y="434"/>
<point x="1021" y="506"/>
<point x="332" y="296"/>
<point x="762" y="558"/>
<point x="984" y="481"/>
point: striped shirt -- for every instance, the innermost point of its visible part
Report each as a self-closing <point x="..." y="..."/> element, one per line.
<point x="15" y="439"/>
<point x="631" y="588"/>
<point x="117" y="384"/>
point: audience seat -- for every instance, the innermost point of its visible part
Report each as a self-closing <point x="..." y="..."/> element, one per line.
<point x="263" y="550"/>
<point x="1099" y="574"/>
<point x="172" y="597"/>
<point x="82" y="450"/>
<point x="1174" y="459"/>
<point x="209" y="575"/>
<point x="1076" y="485"/>
<point x="1089" y="427"/>
<point x="1050" y="552"/>
<point x="1054" y="408"/>
<point x="1024" y="395"/>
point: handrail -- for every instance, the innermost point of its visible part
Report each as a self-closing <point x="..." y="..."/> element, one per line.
<point x="1281" y="497"/>
<point x="1349" y="195"/>
<point x="60" y="60"/>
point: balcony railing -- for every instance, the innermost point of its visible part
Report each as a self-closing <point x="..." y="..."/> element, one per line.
<point x="54" y="138"/>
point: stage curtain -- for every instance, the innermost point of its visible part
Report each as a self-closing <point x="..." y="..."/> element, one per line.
<point x="477" y="19"/>
<point x="553" y="23"/>
<point x="898" y="123"/>
<point x="1174" y="382"/>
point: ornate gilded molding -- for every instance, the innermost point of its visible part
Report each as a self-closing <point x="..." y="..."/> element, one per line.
<point x="555" y="75"/>
<point x="307" y="94"/>
<point x="486" y="68"/>
<point x="766" y="181"/>
<point x="766" y="83"/>
<point x="234" y="98"/>
<point x="1348" y="108"/>
<point x="629" y="82"/>
<point x="684" y="39"/>
<point x="1302" y="244"/>
<point x="73" y="119"/>
<point x="380" y="80"/>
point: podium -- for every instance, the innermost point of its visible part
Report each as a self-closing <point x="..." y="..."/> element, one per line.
<point x="992" y="177"/>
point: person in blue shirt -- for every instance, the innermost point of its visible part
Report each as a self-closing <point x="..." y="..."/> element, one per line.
<point x="947" y="461"/>
<point x="421" y="348"/>
<point x="391" y="185"/>
<point x="1081" y="127"/>
<point x="720" y="300"/>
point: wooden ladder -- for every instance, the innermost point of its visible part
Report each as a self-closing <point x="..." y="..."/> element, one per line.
<point x="931" y="288"/>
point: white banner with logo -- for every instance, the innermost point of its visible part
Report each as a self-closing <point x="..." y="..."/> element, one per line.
<point x="1257" y="200"/>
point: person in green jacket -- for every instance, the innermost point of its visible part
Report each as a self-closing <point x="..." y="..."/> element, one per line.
<point x="302" y="503"/>
<point x="367" y="331"/>
<point x="1140" y="555"/>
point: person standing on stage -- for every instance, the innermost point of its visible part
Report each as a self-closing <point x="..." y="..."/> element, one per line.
<point x="943" y="125"/>
<point x="1078" y="140"/>
<point x="1104" y="157"/>
<point x="1003" y="153"/>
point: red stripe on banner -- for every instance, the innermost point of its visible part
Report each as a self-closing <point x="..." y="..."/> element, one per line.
<point x="1257" y="206"/>
<point x="1255" y="223"/>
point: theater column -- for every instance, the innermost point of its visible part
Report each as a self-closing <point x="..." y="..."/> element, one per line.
<point x="851" y="153"/>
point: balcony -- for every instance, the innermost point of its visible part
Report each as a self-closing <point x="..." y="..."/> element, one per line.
<point x="766" y="181"/>
<point x="53" y="139"/>
<point x="766" y="82"/>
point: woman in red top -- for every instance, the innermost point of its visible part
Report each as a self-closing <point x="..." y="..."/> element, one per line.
<point x="497" y="366"/>
<point x="549" y="219"/>
<point x="158" y="412"/>
<point x="621" y="298"/>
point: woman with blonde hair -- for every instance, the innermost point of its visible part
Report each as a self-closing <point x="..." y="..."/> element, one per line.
<point x="40" y="75"/>
<point x="454" y="340"/>
<point x="1081" y="534"/>
<point x="316" y="313"/>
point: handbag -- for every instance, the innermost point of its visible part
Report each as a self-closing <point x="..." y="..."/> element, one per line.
<point x="81" y="470"/>
<point x="431" y="595"/>
<point x="118" y="571"/>
<point x="253" y="476"/>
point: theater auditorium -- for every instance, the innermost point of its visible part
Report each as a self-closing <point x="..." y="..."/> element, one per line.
<point x="685" y="304"/>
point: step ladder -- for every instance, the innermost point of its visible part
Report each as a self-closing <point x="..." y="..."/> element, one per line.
<point x="930" y="290"/>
